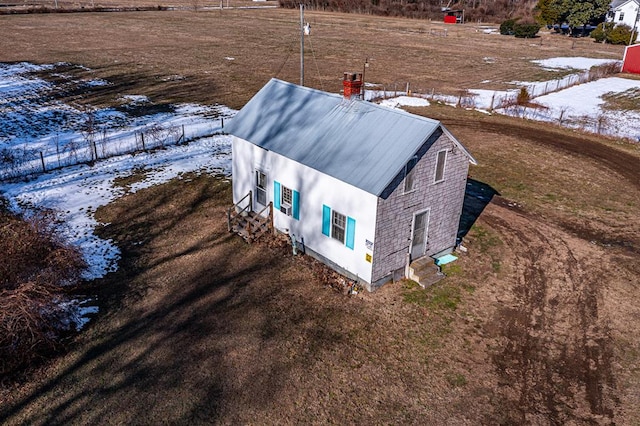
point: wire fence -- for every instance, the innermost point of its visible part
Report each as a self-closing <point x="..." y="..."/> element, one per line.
<point x="518" y="102"/>
<point x="90" y="146"/>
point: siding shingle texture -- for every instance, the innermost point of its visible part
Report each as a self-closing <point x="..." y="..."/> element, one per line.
<point x="444" y="199"/>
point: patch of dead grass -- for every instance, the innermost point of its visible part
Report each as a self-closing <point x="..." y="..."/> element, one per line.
<point x="628" y="100"/>
<point x="182" y="56"/>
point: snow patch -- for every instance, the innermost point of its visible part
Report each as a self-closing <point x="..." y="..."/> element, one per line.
<point x="405" y="101"/>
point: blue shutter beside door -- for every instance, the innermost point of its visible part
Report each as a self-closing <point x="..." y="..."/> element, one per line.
<point x="296" y="205"/>
<point x="276" y="195"/>
<point x="326" y="220"/>
<point x="351" y="232"/>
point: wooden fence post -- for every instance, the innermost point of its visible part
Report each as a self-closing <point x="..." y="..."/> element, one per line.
<point x="42" y="160"/>
<point x="273" y="229"/>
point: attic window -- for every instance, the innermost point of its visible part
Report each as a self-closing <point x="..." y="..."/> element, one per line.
<point x="440" y="165"/>
<point x="409" y="175"/>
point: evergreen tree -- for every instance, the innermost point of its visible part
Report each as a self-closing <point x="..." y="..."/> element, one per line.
<point x="548" y="12"/>
<point x="582" y="12"/>
<point x="574" y="12"/>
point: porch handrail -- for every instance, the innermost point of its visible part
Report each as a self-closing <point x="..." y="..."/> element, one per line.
<point x="249" y="207"/>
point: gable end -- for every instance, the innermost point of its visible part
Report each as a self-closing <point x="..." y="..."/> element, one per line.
<point x="399" y="178"/>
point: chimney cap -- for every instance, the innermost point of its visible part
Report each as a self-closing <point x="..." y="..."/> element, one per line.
<point x="352" y="76"/>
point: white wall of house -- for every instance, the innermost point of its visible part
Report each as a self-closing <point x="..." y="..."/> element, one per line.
<point x="627" y="14"/>
<point x="315" y="190"/>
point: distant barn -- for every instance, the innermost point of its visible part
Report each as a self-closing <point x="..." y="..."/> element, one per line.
<point x="631" y="60"/>
<point x="453" y="16"/>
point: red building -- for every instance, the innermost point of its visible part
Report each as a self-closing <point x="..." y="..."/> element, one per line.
<point x="631" y="60"/>
<point x="453" y="16"/>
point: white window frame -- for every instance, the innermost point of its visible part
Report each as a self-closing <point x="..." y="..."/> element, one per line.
<point x="286" y="200"/>
<point x="444" y="166"/>
<point x="260" y="189"/>
<point x="338" y="226"/>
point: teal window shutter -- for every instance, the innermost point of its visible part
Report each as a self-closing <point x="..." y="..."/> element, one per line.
<point x="326" y="220"/>
<point x="276" y="195"/>
<point x="296" y="205"/>
<point x="351" y="232"/>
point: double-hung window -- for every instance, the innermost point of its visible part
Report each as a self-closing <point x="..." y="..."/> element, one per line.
<point x="338" y="226"/>
<point x="286" y="200"/>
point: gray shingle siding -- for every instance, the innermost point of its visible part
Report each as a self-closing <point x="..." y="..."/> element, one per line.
<point x="444" y="199"/>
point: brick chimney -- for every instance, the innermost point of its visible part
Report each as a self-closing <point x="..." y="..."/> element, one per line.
<point x="352" y="84"/>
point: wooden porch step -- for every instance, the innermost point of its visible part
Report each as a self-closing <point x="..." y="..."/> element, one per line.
<point x="249" y="224"/>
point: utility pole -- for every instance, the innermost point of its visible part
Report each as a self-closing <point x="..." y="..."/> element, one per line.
<point x="301" y="44"/>
<point x="364" y="70"/>
<point x="635" y="24"/>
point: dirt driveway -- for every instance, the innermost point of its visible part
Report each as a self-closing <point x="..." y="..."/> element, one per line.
<point x="536" y="324"/>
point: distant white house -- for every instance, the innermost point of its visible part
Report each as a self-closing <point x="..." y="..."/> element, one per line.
<point x="625" y="12"/>
<point x="366" y="189"/>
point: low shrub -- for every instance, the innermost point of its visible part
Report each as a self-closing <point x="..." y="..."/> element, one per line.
<point x="523" y="97"/>
<point x="621" y="34"/>
<point x="36" y="270"/>
<point x="526" y="30"/>
<point x="600" y="32"/>
<point x="609" y="32"/>
<point x="507" y="27"/>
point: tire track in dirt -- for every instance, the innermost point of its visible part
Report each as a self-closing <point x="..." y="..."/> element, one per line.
<point x="621" y="162"/>
<point x="554" y="360"/>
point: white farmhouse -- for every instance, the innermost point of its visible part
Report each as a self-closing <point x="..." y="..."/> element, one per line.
<point x="625" y="12"/>
<point x="364" y="188"/>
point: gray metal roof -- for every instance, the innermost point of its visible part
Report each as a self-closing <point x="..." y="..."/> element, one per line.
<point x="361" y="143"/>
<point x="617" y="3"/>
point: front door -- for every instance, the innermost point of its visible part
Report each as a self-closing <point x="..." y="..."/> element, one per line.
<point x="419" y="234"/>
<point x="261" y="189"/>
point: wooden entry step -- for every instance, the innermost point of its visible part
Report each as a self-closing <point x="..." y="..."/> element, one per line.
<point x="248" y="224"/>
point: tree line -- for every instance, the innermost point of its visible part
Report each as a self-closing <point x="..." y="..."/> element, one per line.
<point x="475" y="10"/>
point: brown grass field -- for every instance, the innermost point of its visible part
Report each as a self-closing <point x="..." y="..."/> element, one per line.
<point x="537" y="324"/>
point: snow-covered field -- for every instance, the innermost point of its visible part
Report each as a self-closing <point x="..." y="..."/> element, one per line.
<point x="40" y="132"/>
<point x="29" y="122"/>
<point x="32" y="122"/>
<point x="579" y="106"/>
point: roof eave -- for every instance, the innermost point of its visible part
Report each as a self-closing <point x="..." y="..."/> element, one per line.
<point x="459" y="145"/>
